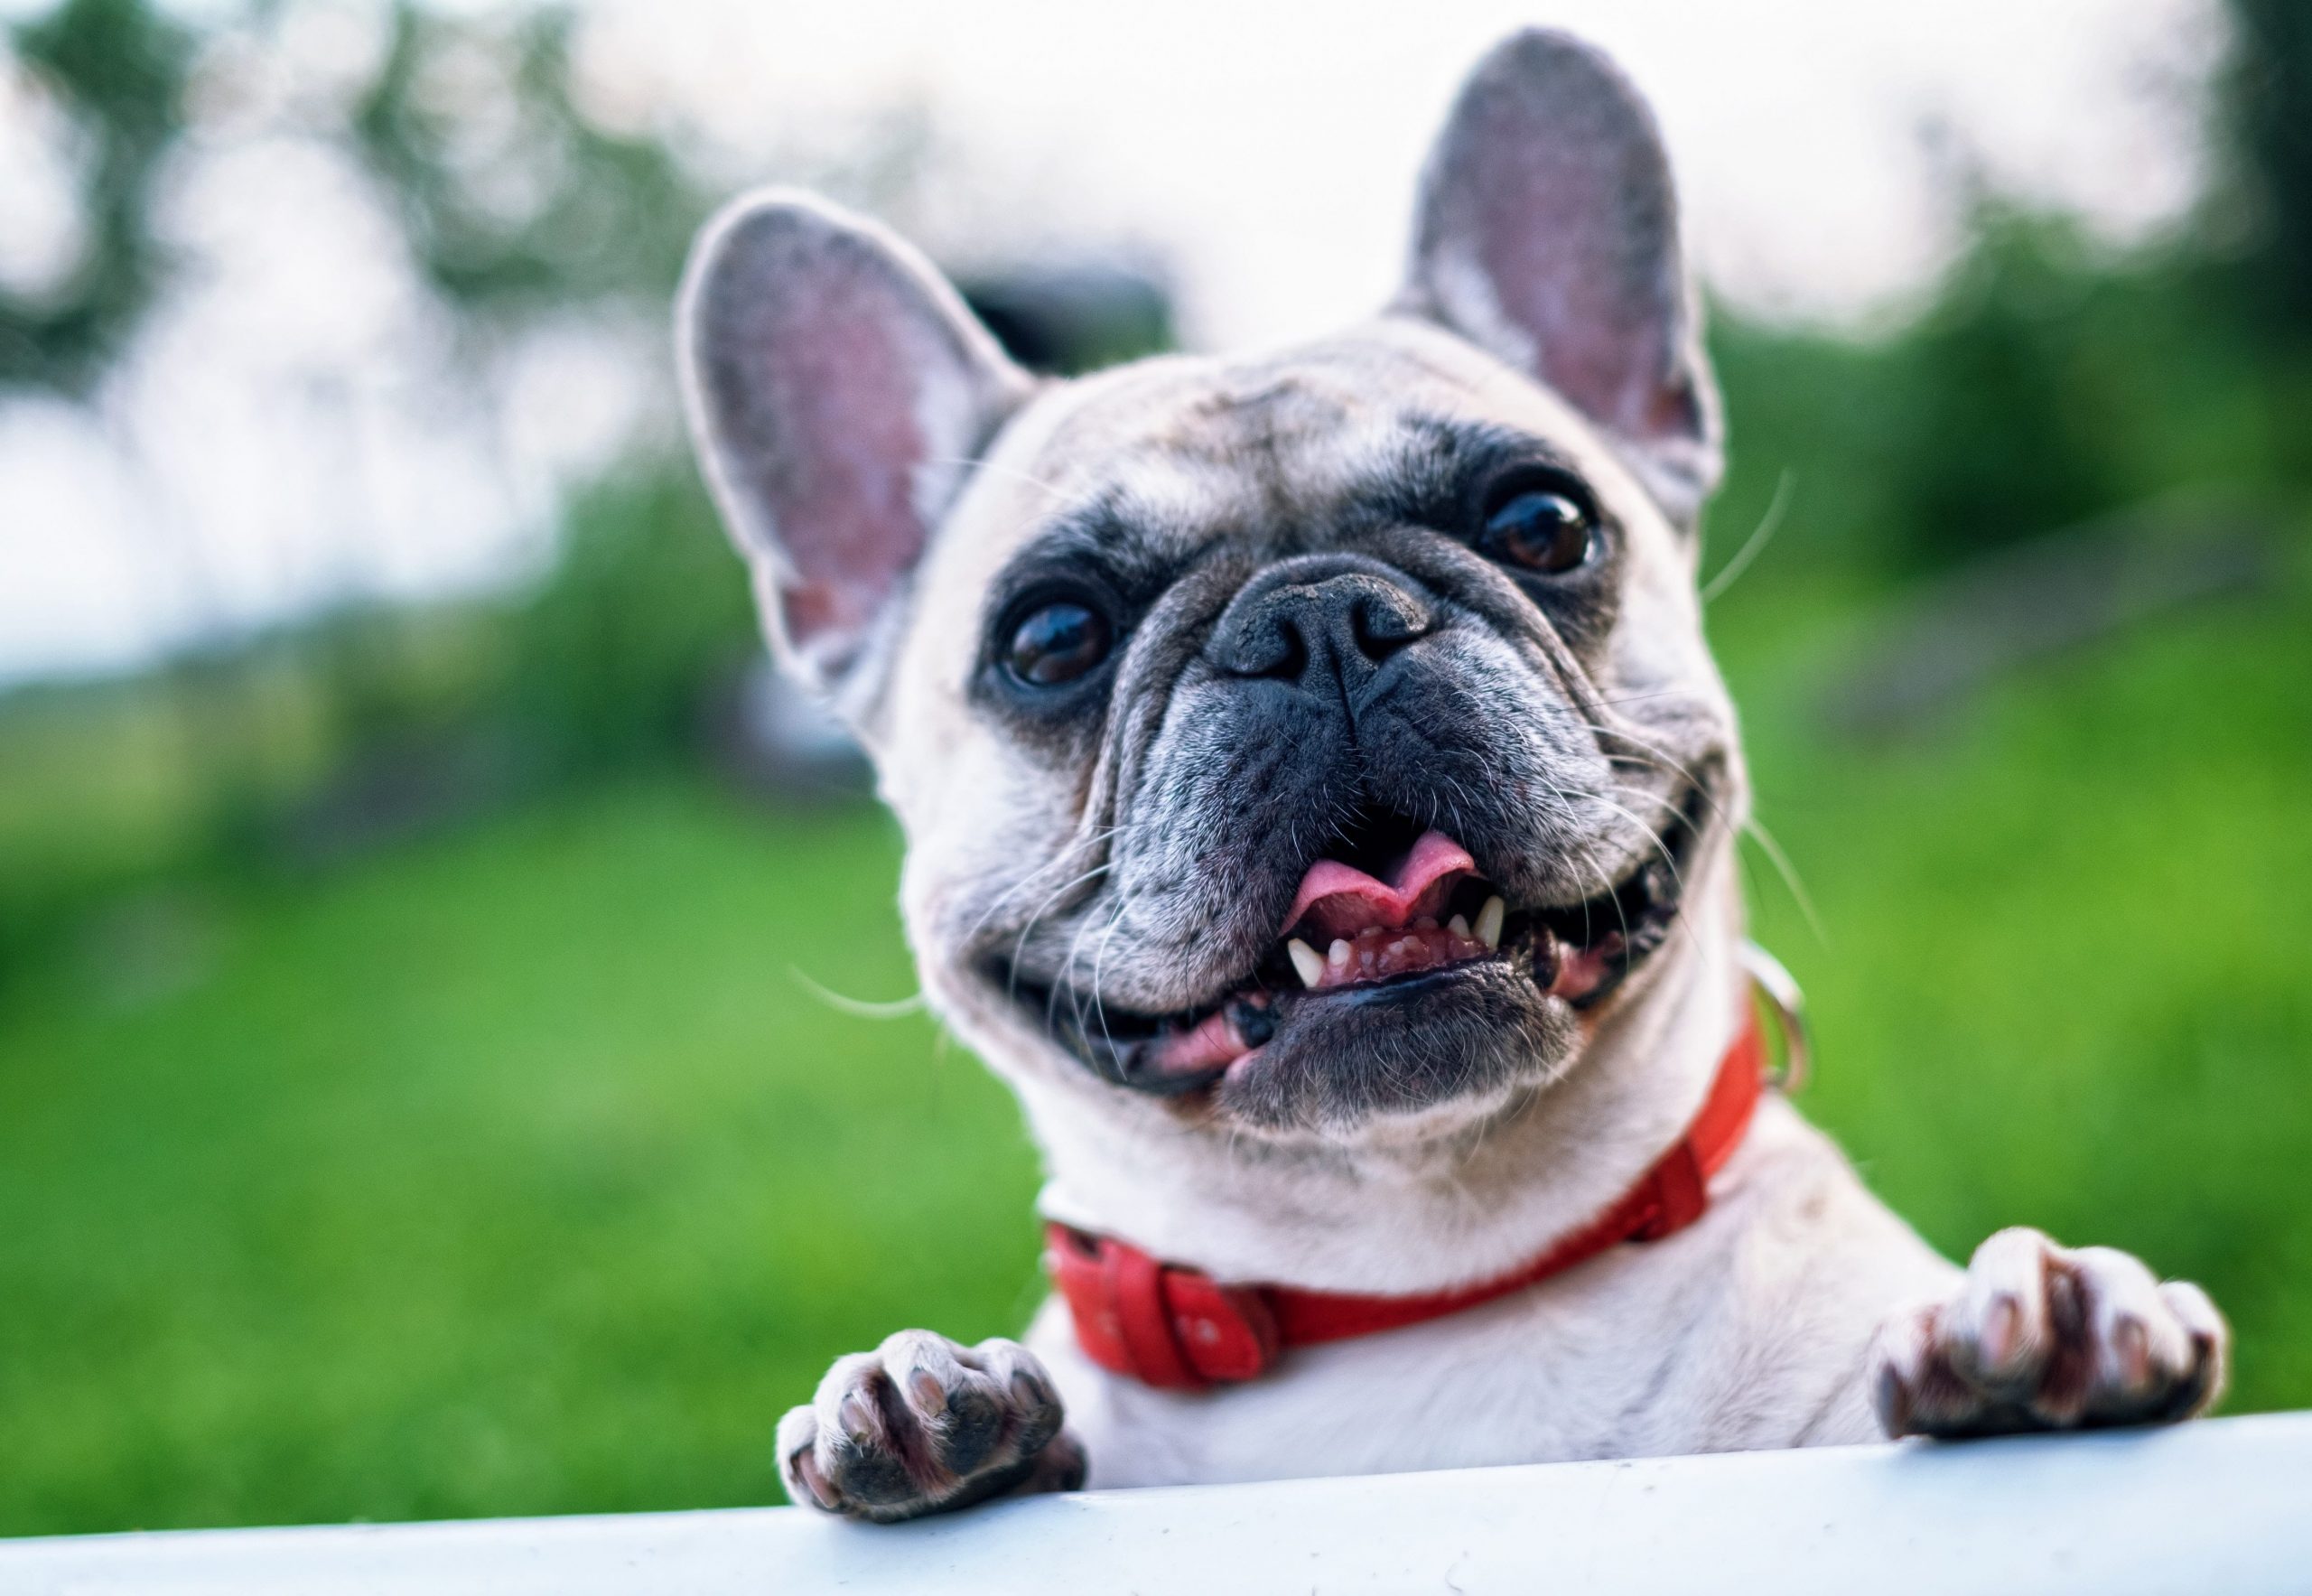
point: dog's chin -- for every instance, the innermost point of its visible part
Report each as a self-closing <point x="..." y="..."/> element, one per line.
<point x="1447" y="1042"/>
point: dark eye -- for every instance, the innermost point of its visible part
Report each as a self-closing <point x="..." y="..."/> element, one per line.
<point x="1057" y="642"/>
<point x="1546" y="526"/>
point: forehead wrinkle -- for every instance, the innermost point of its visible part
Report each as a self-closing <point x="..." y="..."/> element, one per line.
<point x="1437" y="450"/>
<point x="1162" y="508"/>
<point x="1165" y="488"/>
<point x="1099" y="531"/>
<point x="1163" y="461"/>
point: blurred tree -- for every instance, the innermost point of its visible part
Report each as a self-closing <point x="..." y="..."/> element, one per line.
<point x="118" y="70"/>
<point x="646" y="612"/>
<point x="1996" y="436"/>
<point x="549" y="208"/>
<point x="512" y="199"/>
<point x="2264" y="130"/>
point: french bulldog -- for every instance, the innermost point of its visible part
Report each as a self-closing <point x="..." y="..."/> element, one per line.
<point x="1321" y="807"/>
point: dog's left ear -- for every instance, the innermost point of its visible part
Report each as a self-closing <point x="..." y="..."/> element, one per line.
<point x="1547" y="234"/>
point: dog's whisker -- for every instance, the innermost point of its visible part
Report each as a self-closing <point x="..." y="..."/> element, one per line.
<point x="1656" y="697"/>
<point x="1662" y="759"/>
<point x="1652" y="836"/>
<point x="1684" y="923"/>
<point x="988" y="465"/>
<point x="858" y="1008"/>
<point x="1755" y="545"/>
<point x="1606" y="888"/>
<point x="1099" y="956"/>
<point x="1057" y="861"/>
<point x="1020" y="944"/>
<point x="1789" y="873"/>
<point x="1068" y="974"/>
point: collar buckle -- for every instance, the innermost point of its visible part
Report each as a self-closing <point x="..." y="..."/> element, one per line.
<point x="1175" y="1329"/>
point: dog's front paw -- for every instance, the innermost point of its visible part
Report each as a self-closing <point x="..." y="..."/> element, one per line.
<point x="2041" y="1337"/>
<point x="922" y="1424"/>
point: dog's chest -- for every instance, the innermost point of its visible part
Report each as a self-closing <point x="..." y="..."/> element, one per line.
<point x="1746" y="1331"/>
<point x="1515" y="1381"/>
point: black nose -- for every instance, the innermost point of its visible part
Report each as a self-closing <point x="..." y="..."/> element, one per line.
<point x="1318" y="621"/>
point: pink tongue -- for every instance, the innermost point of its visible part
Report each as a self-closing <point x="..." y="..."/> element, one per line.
<point x="1339" y="899"/>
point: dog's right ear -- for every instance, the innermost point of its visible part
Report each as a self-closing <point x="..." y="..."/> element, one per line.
<point x="838" y="393"/>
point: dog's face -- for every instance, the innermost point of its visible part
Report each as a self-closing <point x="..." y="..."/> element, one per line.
<point x="1312" y="745"/>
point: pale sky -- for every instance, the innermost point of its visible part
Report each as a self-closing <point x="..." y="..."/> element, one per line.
<point x="285" y="435"/>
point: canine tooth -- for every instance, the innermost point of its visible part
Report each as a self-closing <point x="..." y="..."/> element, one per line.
<point x="1489" y="920"/>
<point x="1307" y="960"/>
<point x="1460" y="926"/>
<point x="1337" y="953"/>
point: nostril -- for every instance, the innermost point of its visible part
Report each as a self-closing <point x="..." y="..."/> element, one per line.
<point x="1273" y="647"/>
<point x="1381" y="628"/>
<point x="1286" y="653"/>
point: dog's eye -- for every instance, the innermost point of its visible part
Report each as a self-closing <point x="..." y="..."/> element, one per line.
<point x="1543" y="524"/>
<point x="1057" y="642"/>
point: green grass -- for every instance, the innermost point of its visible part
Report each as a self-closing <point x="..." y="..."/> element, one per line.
<point x="513" y="1171"/>
<point x="511" y="1174"/>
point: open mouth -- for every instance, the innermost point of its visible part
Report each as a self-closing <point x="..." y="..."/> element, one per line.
<point x="1394" y="915"/>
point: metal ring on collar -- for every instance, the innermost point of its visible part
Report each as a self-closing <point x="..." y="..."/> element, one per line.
<point x="1775" y="985"/>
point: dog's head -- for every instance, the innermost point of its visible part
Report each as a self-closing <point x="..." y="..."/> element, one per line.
<point x="1316" y="743"/>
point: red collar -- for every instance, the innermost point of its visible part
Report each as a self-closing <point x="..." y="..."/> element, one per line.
<point x="1180" y="1329"/>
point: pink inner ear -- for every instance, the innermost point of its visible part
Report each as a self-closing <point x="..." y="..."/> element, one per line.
<point x="843" y="393"/>
<point x="1573" y="267"/>
<point x="1549" y="233"/>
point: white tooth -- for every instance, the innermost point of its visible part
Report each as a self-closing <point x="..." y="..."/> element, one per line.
<point x="1489" y="920"/>
<point x="1307" y="960"/>
<point x="1460" y="926"/>
<point x="1337" y="953"/>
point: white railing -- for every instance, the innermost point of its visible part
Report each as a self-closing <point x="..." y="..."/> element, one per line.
<point x="2225" y="1505"/>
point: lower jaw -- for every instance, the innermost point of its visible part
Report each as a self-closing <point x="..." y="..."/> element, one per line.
<point x="1262" y="1027"/>
<point x="1396" y="1047"/>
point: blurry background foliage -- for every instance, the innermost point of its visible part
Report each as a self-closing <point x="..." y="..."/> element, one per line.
<point x="406" y="1106"/>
